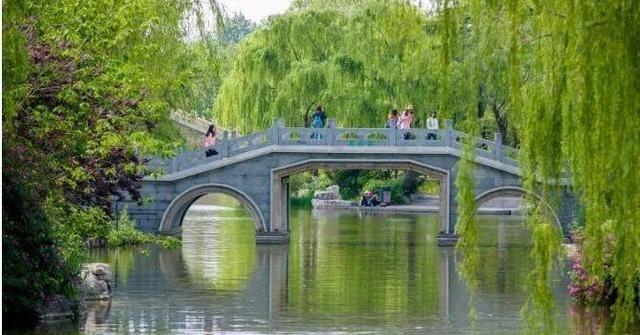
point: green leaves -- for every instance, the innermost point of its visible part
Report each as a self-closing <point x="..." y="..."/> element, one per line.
<point x="573" y="78"/>
<point x="359" y="61"/>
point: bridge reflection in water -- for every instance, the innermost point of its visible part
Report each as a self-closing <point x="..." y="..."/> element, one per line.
<point x="342" y="271"/>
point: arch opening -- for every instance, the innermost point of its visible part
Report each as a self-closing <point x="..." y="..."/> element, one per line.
<point x="173" y="216"/>
<point x="519" y="192"/>
<point x="280" y="187"/>
<point x="218" y="243"/>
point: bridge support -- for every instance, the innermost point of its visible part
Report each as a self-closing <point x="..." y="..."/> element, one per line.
<point x="272" y="237"/>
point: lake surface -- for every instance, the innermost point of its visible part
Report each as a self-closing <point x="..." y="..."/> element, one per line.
<point x="343" y="272"/>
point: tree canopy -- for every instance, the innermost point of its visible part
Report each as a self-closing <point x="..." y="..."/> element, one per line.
<point x="87" y="91"/>
<point x="358" y="64"/>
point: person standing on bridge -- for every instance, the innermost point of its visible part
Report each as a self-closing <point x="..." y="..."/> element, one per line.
<point x="318" y="120"/>
<point x="210" y="141"/>
<point x="405" y="120"/>
<point x="392" y="119"/>
<point x="432" y="124"/>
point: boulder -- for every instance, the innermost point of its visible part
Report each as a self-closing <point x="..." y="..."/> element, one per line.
<point x="96" y="281"/>
<point x="330" y="193"/>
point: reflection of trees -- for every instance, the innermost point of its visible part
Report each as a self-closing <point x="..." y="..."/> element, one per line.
<point x="219" y="245"/>
<point x="504" y="253"/>
<point x="120" y="259"/>
<point x="344" y="264"/>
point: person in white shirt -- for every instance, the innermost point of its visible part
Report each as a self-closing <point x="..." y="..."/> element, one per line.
<point x="432" y="124"/>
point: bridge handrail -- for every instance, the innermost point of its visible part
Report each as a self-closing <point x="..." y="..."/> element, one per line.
<point x="280" y="135"/>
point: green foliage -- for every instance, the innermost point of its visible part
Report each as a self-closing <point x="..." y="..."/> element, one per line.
<point x="352" y="182"/>
<point x="396" y="185"/>
<point x="428" y="186"/>
<point x="90" y="222"/>
<point x="301" y="201"/>
<point x="125" y="233"/>
<point x="357" y="63"/>
<point x="31" y="264"/>
<point x="303" y="185"/>
<point x="235" y="29"/>
<point x="573" y="75"/>
<point x="87" y="90"/>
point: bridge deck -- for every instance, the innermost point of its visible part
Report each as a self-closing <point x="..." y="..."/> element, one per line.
<point x="330" y="140"/>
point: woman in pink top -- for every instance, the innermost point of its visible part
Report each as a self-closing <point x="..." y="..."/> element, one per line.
<point x="210" y="141"/>
<point x="405" y="120"/>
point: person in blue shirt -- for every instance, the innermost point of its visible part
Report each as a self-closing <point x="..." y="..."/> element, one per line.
<point x="318" y="120"/>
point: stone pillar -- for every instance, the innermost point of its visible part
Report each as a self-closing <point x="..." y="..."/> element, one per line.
<point x="174" y="164"/>
<point x="497" y="146"/>
<point x="284" y="205"/>
<point x="225" y="144"/>
<point x="393" y="136"/>
<point x="448" y="132"/>
<point x="331" y="135"/>
<point x="276" y="124"/>
<point x="331" y="123"/>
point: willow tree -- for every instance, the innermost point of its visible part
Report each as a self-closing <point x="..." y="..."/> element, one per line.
<point x="574" y="74"/>
<point x="359" y="62"/>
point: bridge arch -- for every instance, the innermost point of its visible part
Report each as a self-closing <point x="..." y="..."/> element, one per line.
<point x="175" y="212"/>
<point x="518" y="192"/>
<point x="280" y="192"/>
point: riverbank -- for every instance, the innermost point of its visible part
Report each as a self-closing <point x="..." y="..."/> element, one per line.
<point x="424" y="204"/>
<point x="432" y="209"/>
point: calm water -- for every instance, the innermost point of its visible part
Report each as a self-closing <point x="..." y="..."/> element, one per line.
<point x="343" y="272"/>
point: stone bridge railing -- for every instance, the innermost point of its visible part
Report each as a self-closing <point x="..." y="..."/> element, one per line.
<point x="230" y="145"/>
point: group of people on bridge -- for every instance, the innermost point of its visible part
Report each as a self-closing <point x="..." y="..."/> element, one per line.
<point x="319" y="120"/>
<point x="394" y="121"/>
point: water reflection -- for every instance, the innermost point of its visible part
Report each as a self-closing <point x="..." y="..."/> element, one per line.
<point x="342" y="272"/>
<point x="218" y="244"/>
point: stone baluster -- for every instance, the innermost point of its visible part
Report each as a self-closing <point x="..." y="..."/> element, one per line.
<point x="226" y="145"/>
<point x="497" y="147"/>
<point x="331" y="135"/>
<point x="393" y="136"/>
<point x="276" y="124"/>
<point x="174" y="164"/>
<point x="448" y="132"/>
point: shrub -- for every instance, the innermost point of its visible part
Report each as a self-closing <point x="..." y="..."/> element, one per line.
<point x="303" y="185"/>
<point x="31" y="265"/>
<point x="125" y="233"/>
<point x="395" y="185"/>
<point x="301" y="201"/>
<point x="588" y="288"/>
<point x="428" y="186"/>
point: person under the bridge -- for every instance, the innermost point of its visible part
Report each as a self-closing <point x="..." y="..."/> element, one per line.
<point x="210" y="141"/>
<point x="369" y="199"/>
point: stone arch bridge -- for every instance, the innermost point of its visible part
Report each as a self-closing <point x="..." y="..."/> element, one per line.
<point x="255" y="169"/>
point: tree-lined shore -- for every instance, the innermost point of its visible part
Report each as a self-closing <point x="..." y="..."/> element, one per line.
<point x="88" y="89"/>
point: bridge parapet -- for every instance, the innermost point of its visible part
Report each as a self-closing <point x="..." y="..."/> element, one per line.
<point x="279" y="135"/>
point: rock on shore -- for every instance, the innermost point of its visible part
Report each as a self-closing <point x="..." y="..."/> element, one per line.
<point x="96" y="281"/>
